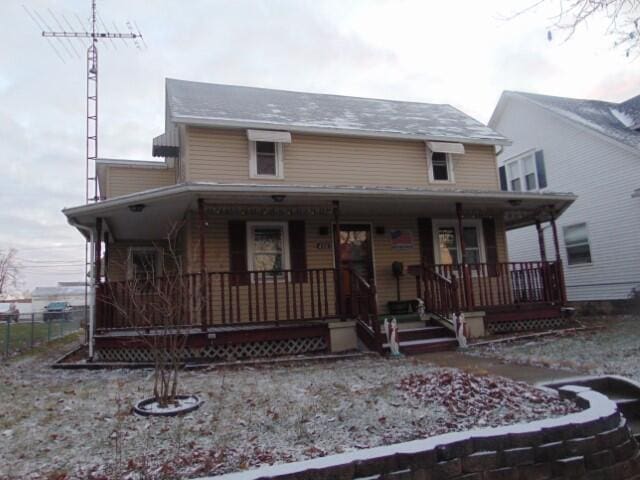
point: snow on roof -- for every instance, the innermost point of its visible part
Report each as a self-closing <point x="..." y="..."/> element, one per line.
<point x="231" y="105"/>
<point x="616" y="120"/>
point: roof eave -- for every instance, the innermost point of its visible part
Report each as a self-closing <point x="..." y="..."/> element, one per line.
<point x="351" y="132"/>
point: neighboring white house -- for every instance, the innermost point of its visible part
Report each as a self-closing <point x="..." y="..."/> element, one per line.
<point x="590" y="148"/>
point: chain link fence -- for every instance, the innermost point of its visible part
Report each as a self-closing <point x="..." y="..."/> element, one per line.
<point x="21" y="334"/>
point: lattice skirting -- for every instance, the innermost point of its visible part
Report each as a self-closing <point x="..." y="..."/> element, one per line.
<point x="266" y="348"/>
<point x="523" y="325"/>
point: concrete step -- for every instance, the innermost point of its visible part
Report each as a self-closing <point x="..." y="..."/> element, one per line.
<point x="414" y="347"/>
<point x="423" y="333"/>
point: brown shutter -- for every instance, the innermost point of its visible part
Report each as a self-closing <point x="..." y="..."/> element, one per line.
<point x="298" y="250"/>
<point x="238" y="251"/>
<point x="490" y="245"/>
<point x="425" y="236"/>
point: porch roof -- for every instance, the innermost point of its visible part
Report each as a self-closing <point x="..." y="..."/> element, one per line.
<point x="147" y="215"/>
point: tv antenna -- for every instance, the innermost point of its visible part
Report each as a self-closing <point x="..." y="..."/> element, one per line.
<point x="93" y="33"/>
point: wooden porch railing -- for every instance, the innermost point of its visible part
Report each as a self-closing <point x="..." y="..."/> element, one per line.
<point x="230" y="298"/>
<point x="363" y="306"/>
<point x="448" y="288"/>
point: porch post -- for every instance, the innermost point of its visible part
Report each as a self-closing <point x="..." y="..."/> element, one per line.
<point x="466" y="280"/>
<point x="98" y="246"/>
<point x="559" y="269"/>
<point x="555" y="235"/>
<point x="543" y="251"/>
<point x="106" y="257"/>
<point x="338" y="257"/>
<point x="203" y="268"/>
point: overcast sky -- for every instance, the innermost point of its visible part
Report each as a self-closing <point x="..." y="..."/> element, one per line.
<point x="460" y="52"/>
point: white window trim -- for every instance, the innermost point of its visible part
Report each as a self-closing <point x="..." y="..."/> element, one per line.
<point x="523" y="181"/>
<point x="286" y="260"/>
<point x="449" y="168"/>
<point x="130" y="251"/>
<point x="564" y="236"/>
<point x="453" y="223"/>
<point x="253" y="162"/>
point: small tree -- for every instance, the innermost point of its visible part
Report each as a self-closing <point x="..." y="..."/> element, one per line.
<point x="155" y="302"/>
<point x="8" y="269"/>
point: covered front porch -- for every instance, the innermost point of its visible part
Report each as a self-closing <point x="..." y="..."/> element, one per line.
<point x="265" y="263"/>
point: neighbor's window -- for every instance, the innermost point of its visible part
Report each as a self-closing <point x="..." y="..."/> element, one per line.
<point x="267" y="246"/>
<point x="576" y="240"/>
<point x="441" y="167"/>
<point x="266" y="159"/>
<point x="525" y="172"/>
<point x="144" y="263"/>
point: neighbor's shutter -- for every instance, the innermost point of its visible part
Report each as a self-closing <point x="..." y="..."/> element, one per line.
<point x="298" y="250"/>
<point x="425" y="236"/>
<point x="490" y="245"/>
<point x="542" y="173"/>
<point x="238" y="251"/>
<point x="503" y="179"/>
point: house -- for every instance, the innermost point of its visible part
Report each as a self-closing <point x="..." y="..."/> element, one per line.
<point x="591" y="148"/>
<point x="294" y="208"/>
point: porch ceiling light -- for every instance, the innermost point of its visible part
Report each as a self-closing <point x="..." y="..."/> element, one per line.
<point x="515" y="202"/>
<point x="278" y="198"/>
<point x="137" y="207"/>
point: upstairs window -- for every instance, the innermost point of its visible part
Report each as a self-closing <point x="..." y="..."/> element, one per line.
<point x="440" y="167"/>
<point x="266" y="150"/>
<point x="266" y="160"/>
<point x="576" y="240"/>
<point x="440" y="162"/>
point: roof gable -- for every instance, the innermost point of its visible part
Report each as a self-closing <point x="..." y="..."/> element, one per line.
<point x="229" y="105"/>
<point x="614" y="120"/>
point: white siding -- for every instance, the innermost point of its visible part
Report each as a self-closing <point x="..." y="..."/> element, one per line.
<point x="603" y="175"/>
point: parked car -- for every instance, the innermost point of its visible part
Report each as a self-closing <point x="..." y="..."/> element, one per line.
<point x="57" y="311"/>
<point x="9" y="312"/>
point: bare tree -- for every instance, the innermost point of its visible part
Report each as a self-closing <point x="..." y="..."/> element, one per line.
<point x="8" y="269"/>
<point x="154" y="301"/>
<point x="623" y="18"/>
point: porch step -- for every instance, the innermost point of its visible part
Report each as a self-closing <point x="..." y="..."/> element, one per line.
<point x="423" y="333"/>
<point x="415" y="347"/>
<point x="401" y="319"/>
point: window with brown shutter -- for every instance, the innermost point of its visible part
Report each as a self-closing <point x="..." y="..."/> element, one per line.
<point x="238" y="252"/>
<point x="425" y="237"/>
<point x="298" y="250"/>
<point x="490" y="245"/>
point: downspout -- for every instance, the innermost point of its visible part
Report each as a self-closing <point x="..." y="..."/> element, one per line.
<point x="92" y="282"/>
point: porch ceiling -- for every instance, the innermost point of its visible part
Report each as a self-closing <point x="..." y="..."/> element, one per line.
<point x="160" y="208"/>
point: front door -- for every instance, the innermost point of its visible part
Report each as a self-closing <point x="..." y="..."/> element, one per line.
<point x="356" y="254"/>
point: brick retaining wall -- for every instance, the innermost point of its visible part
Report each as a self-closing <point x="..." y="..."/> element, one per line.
<point x="594" y="444"/>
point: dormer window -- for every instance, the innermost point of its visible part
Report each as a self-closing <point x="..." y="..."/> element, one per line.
<point x="266" y="152"/>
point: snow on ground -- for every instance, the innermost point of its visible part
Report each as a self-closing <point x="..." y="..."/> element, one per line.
<point x="78" y="424"/>
<point x="615" y="349"/>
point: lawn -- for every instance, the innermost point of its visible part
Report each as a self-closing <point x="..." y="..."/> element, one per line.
<point x="614" y="349"/>
<point x="23" y="336"/>
<point x="79" y="423"/>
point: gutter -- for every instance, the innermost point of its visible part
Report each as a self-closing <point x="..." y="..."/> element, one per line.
<point x="92" y="298"/>
<point x="349" y="132"/>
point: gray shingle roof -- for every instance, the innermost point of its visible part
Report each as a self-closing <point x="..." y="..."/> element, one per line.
<point x="230" y="105"/>
<point x="616" y="120"/>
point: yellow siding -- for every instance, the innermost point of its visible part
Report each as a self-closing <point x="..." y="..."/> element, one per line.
<point x="125" y="180"/>
<point x="220" y="155"/>
<point x="217" y="258"/>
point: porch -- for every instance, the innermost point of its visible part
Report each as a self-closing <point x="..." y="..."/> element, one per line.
<point x="325" y="258"/>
